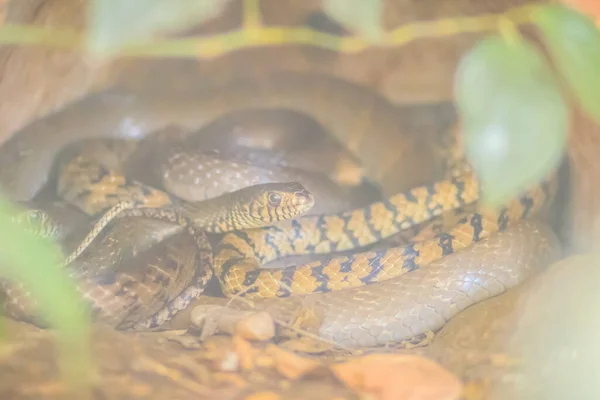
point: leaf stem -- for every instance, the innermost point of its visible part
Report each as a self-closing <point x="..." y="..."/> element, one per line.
<point x="254" y="34"/>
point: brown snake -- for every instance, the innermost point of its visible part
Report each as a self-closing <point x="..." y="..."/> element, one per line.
<point x="409" y="305"/>
<point x="372" y="176"/>
<point x="26" y="159"/>
<point x="152" y="294"/>
<point x="426" y="208"/>
<point x="376" y="316"/>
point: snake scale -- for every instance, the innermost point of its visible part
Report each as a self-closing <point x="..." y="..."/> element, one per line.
<point x="120" y="113"/>
<point x="25" y="171"/>
<point x="118" y="294"/>
<point x="400" y="212"/>
<point x="356" y="228"/>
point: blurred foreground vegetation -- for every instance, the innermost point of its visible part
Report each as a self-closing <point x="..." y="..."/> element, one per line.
<point x="507" y="96"/>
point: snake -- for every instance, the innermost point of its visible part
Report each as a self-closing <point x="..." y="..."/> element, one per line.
<point x="502" y="341"/>
<point x="90" y="177"/>
<point x="27" y="158"/>
<point x="358" y="228"/>
<point x="119" y="293"/>
<point x="238" y="258"/>
<point x="472" y="226"/>
<point x="418" y="205"/>
<point x="395" y="311"/>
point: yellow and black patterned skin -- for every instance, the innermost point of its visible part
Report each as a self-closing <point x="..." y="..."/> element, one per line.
<point x="240" y="255"/>
<point x="93" y="180"/>
<point x="160" y="285"/>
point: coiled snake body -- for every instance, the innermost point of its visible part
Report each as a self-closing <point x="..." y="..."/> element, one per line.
<point x="123" y="297"/>
<point x="240" y="253"/>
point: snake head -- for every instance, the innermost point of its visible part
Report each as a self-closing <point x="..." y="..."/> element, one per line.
<point x="273" y="202"/>
<point x="38" y="222"/>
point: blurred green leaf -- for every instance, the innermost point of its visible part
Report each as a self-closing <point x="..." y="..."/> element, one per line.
<point x="360" y="16"/>
<point x="117" y="23"/>
<point x="573" y="40"/>
<point x="38" y="35"/>
<point x="36" y="263"/>
<point x="513" y="114"/>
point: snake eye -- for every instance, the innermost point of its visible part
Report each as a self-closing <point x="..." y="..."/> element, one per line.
<point x="274" y="199"/>
<point x="35" y="216"/>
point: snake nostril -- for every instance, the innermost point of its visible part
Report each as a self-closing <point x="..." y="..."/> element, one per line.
<point x="304" y="197"/>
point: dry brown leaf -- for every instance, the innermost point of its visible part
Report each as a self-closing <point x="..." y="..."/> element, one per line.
<point x="186" y="341"/>
<point x="229" y="362"/>
<point x="215" y="348"/>
<point x="140" y="390"/>
<point x="264" y="361"/>
<point x="235" y="380"/>
<point x="407" y="377"/>
<point x="245" y="352"/>
<point x="263" y="396"/>
<point x="308" y="318"/>
<point x="46" y="389"/>
<point x="290" y="365"/>
<point x="503" y="360"/>
<point x="475" y="391"/>
<point x="307" y="345"/>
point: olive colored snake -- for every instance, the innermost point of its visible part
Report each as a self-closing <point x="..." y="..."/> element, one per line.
<point x="27" y="158"/>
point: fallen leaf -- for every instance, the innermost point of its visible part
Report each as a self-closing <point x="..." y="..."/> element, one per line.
<point x="244" y="351"/>
<point x="307" y="345"/>
<point x="229" y="362"/>
<point x="308" y="318"/>
<point x="503" y="360"/>
<point x="390" y="377"/>
<point x="230" y="379"/>
<point x="186" y="341"/>
<point x="263" y="396"/>
<point x="475" y="391"/>
<point x="217" y="349"/>
<point x="140" y="390"/>
<point x="291" y="365"/>
<point x="264" y="361"/>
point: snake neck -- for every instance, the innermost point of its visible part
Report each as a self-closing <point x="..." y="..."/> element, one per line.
<point x="215" y="216"/>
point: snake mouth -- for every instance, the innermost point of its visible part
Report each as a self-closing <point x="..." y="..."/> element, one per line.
<point x="304" y="200"/>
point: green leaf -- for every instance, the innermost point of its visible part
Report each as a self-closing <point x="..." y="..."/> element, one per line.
<point x="117" y="23"/>
<point x="573" y="41"/>
<point x="36" y="263"/>
<point x="361" y="16"/>
<point x="513" y="115"/>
